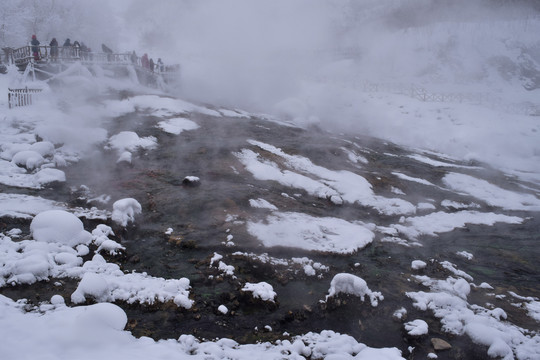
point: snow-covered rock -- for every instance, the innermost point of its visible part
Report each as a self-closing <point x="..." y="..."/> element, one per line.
<point x="261" y="290"/>
<point x="59" y="226"/>
<point x="124" y="211"/>
<point x="353" y="285"/>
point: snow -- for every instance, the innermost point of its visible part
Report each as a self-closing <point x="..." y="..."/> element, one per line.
<point x="416" y="327"/>
<point x="490" y="193"/>
<point x="176" y="126"/>
<point x="63" y="331"/>
<point x="130" y="141"/>
<point x="47" y="175"/>
<point x="418" y="264"/>
<point x="400" y="313"/>
<point x="124" y="211"/>
<point x="91" y="285"/>
<point x="158" y="105"/>
<point x="439" y="222"/>
<point x="303" y="231"/>
<point x="337" y="186"/>
<point x="224" y="268"/>
<point x="29" y="159"/>
<point x="261" y="290"/>
<point x="59" y="226"/>
<point x="261" y="204"/>
<point x="353" y="285"/>
<point x="447" y="301"/>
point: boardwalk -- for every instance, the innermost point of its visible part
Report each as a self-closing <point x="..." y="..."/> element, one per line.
<point x="46" y="65"/>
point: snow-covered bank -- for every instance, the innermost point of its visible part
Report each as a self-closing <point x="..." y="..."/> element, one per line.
<point x="96" y="331"/>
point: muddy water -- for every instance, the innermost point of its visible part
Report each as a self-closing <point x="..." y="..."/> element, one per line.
<point x="504" y="255"/>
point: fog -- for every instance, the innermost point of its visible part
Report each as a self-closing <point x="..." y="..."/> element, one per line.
<point x="310" y="60"/>
<point x="256" y="53"/>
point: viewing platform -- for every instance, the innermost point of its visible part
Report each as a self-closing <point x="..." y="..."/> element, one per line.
<point x="46" y="65"/>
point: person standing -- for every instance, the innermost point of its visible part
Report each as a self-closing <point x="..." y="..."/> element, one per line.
<point x="151" y="65"/>
<point x="66" y="48"/>
<point x="35" y="47"/>
<point x="54" y="49"/>
<point x="144" y="61"/>
<point x="134" y="58"/>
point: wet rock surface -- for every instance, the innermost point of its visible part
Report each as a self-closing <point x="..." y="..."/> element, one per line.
<point x="194" y="184"/>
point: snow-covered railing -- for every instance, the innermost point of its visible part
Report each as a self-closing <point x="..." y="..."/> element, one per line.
<point x="24" y="55"/>
<point x="21" y="97"/>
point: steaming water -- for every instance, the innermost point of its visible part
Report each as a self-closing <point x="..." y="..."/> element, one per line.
<point x="504" y="255"/>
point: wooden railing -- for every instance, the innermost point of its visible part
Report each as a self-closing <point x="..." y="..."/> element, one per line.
<point x="21" y="97"/>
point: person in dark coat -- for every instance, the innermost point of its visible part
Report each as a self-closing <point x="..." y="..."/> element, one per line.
<point x="67" y="48"/>
<point x="134" y="58"/>
<point x="76" y="49"/>
<point x="54" y="49"/>
<point x="151" y="65"/>
<point x="35" y="47"/>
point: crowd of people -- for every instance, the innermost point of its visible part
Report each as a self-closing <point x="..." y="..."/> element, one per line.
<point x="67" y="50"/>
<point x="80" y="50"/>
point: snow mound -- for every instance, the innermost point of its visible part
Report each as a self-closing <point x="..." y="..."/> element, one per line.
<point x="416" y="327"/>
<point x="104" y="315"/>
<point x="28" y="158"/>
<point x="418" y="264"/>
<point x="129" y="141"/>
<point x="45" y="148"/>
<point x="261" y="290"/>
<point x="48" y="175"/>
<point x="58" y="226"/>
<point x="124" y="211"/>
<point x="353" y="285"/>
<point x="109" y="283"/>
<point x="91" y="285"/>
